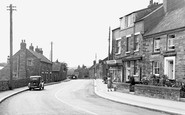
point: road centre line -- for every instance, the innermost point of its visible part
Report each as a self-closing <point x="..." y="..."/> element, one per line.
<point x="72" y="105"/>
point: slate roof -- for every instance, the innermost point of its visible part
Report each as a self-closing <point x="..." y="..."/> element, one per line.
<point x="144" y="11"/>
<point x="56" y="66"/>
<point x="40" y="56"/>
<point x="172" y="20"/>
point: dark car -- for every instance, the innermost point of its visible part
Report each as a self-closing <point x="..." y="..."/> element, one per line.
<point x="73" y="77"/>
<point x="36" y="82"/>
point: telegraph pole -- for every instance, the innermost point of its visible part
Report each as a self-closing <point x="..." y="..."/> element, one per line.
<point x="11" y="9"/>
<point x="108" y="51"/>
<point x="109" y="45"/>
<point x="51" y="52"/>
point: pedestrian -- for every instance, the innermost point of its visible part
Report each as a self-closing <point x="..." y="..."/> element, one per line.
<point x="109" y="83"/>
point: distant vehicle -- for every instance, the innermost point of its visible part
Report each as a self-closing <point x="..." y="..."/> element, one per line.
<point x="36" y="82"/>
<point x="73" y="77"/>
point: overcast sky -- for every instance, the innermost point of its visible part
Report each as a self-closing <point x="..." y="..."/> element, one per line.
<point x="78" y="28"/>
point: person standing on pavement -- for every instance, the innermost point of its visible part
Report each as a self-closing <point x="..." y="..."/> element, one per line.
<point x="109" y="82"/>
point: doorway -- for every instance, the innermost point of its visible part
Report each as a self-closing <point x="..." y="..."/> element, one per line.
<point x="169" y="67"/>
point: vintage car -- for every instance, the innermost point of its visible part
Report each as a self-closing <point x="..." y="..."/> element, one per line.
<point x="36" y="82"/>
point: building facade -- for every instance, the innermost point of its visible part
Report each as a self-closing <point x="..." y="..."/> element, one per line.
<point x="164" y="45"/>
<point x="27" y="62"/>
<point x="127" y="44"/>
<point x="115" y="64"/>
<point x="59" y="71"/>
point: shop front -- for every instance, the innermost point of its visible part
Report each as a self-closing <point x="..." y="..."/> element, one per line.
<point x="116" y="70"/>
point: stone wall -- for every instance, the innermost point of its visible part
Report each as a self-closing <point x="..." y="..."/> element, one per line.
<point x="158" y="92"/>
<point x="122" y="87"/>
<point x="4" y="85"/>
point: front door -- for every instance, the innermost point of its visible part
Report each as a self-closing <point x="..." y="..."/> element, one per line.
<point x="169" y="67"/>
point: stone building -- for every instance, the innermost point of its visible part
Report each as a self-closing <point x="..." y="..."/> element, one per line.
<point x="59" y="71"/>
<point x="127" y="43"/>
<point x="28" y="62"/>
<point x="163" y="46"/>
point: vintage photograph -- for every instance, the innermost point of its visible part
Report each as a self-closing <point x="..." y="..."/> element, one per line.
<point x="92" y="57"/>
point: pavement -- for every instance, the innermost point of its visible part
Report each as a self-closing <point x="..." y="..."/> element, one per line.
<point x="100" y="89"/>
<point x="162" y="105"/>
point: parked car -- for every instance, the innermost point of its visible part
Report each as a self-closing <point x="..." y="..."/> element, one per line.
<point x="36" y="82"/>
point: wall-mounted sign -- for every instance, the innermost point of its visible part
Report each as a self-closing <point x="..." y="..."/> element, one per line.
<point x="112" y="62"/>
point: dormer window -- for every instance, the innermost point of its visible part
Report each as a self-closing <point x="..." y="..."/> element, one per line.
<point x="127" y="21"/>
<point x="170" y="42"/>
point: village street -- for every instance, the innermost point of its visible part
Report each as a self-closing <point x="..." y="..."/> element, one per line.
<point x="75" y="97"/>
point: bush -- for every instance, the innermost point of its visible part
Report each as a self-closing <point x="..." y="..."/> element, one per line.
<point x="145" y="80"/>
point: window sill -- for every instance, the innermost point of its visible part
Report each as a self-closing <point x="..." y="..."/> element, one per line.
<point x="136" y="50"/>
<point x="118" y="53"/>
<point x="169" y="51"/>
<point x="136" y="75"/>
<point x="156" y="75"/>
<point x="127" y="52"/>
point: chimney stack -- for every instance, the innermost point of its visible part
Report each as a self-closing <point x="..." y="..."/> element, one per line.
<point x="23" y="44"/>
<point x="39" y="50"/>
<point x="94" y="62"/>
<point x="31" y="47"/>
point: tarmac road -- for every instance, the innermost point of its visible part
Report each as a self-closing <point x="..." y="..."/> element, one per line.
<point x="75" y="97"/>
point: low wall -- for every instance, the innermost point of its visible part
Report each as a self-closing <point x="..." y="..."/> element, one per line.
<point x="158" y="92"/>
<point x="20" y="83"/>
<point x="4" y="85"/>
<point x="122" y="87"/>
